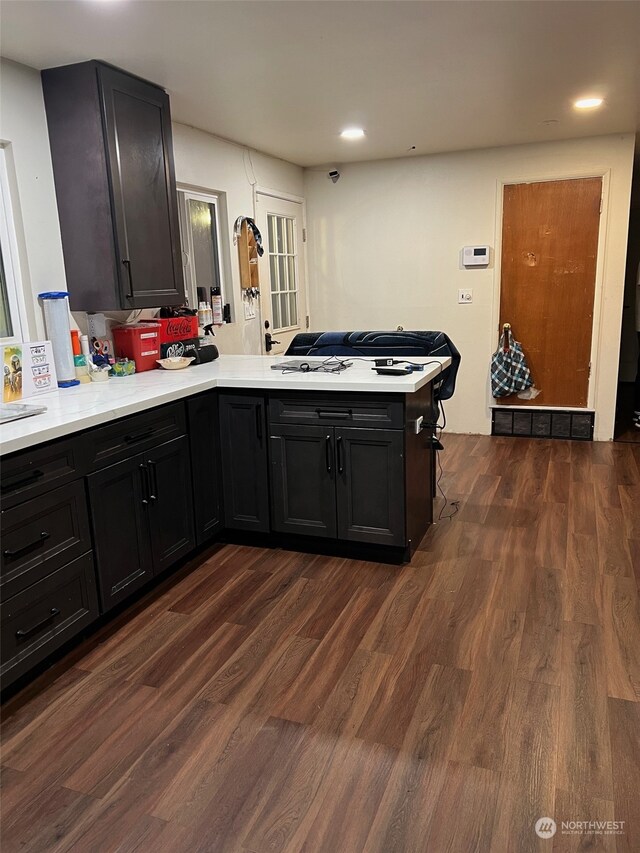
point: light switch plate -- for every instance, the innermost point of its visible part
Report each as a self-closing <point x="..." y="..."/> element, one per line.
<point x="465" y="296"/>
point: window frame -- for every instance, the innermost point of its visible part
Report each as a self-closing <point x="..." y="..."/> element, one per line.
<point x="10" y="260"/>
<point x="186" y="242"/>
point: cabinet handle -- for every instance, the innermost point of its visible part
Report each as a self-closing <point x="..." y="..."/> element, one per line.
<point x="339" y="454"/>
<point x="259" y="422"/>
<point x="127" y="264"/>
<point x="21" y="633"/>
<point x="31" y="477"/>
<point x="144" y="475"/>
<point x="154" y="481"/>
<point x="327" y="413"/>
<point x="327" y="452"/>
<point x="139" y="436"/>
<point x="10" y="554"/>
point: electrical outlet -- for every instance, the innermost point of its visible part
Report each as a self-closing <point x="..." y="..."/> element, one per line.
<point x="465" y="296"/>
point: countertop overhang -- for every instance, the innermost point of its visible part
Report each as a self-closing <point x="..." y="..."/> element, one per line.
<point x="70" y="410"/>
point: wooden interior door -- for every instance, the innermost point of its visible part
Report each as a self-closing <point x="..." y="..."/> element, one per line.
<point x="549" y="250"/>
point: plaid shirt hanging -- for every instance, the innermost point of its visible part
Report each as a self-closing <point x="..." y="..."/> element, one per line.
<point x="509" y="370"/>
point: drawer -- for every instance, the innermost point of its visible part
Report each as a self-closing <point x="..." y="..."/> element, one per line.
<point x="35" y="471"/>
<point x="121" y="439"/>
<point x="41" y="535"/>
<point x="45" y="615"/>
<point x="336" y="410"/>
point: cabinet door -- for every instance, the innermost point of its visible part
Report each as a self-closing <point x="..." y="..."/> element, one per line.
<point x="141" y="172"/>
<point x="170" y="506"/>
<point x="370" y="485"/>
<point x="204" y="437"/>
<point x="244" y="462"/>
<point x="119" y="515"/>
<point x="302" y="479"/>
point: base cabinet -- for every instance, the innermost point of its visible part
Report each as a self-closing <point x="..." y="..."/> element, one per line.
<point x="204" y="441"/>
<point x="244" y="462"/>
<point x="44" y="616"/>
<point x="370" y="485"/>
<point x="142" y="517"/>
<point x="342" y="482"/>
<point x="303" y="471"/>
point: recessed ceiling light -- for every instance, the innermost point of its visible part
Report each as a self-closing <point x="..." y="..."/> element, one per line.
<point x="588" y="103"/>
<point x="352" y="133"/>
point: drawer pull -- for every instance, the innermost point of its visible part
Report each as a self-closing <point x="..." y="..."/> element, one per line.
<point x="10" y="554"/>
<point x="31" y="477"/>
<point x="327" y="452"/>
<point x="139" y="436"/>
<point x="22" y="633"/>
<point x="328" y="413"/>
<point x="339" y="454"/>
<point x="153" y="491"/>
<point x="144" y="474"/>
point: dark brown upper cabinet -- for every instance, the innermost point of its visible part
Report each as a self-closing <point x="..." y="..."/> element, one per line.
<point x="111" y="146"/>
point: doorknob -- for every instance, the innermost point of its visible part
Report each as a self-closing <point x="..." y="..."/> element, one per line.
<point x="269" y="341"/>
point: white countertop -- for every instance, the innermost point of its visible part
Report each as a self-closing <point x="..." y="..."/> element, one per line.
<point x="92" y="404"/>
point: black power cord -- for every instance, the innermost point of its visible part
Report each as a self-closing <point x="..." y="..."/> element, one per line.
<point x="438" y="447"/>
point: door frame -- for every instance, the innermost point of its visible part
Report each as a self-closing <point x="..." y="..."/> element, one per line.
<point x="281" y="195"/>
<point x="597" y="341"/>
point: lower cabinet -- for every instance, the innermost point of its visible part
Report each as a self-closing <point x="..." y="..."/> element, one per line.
<point x="245" y="476"/>
<point x="342" y="482"/>
<point x="142" y="517"/>
<point x="303" y="472"/>
<point x="370" y="485"/>
<point x="42" y="617"/>
<point x="204" y="440"/>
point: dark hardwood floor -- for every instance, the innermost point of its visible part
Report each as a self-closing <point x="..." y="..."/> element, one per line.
<point x="272" y="701"/>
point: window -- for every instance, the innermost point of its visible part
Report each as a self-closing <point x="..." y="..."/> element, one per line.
<point x="200" y="234"/>
<point x="12" y="310"/>
<point x="283" y="271"/>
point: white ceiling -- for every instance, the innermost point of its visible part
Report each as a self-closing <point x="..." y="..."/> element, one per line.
<point x="286" y="77"/>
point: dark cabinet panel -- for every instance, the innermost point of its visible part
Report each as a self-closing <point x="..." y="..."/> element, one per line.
<point x="32" y="472"/>
<point x="120" y="439"/>
<point x="41" y="535"/>
<point x="140" y="162"/>
<point x="119" y="502"/>
<point x="244" y="462"/>
<point x="204" y="438"/>
<point x="170" y="508"/>
<point x="302" y="479"/>
<point x="363" y="410"/>
<point x="111" y="147"/>
<point x="370" y="485"/>
<point x="45" y="615"/>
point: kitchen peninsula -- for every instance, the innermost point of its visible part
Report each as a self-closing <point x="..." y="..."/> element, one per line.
<point x="116" y="483"/>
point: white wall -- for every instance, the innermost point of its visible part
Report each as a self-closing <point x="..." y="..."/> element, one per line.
<point x="201" y="161"/>
<point x="206" y="162"/>
<point x="23" y="129"/>
<point x="384" y="250"/>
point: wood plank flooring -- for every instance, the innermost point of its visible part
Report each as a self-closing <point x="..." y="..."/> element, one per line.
<point x="273" y="701"/>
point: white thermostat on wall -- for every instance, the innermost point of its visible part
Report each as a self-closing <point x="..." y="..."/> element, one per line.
<point x="475" y="256"/>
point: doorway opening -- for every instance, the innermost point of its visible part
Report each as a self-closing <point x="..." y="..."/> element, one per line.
<point x="628" y="399"/>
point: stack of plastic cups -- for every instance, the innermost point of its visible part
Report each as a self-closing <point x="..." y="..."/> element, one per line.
<point x="56" y="318"/>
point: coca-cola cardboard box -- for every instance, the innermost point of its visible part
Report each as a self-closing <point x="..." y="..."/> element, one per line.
<point x="177" y="328"/>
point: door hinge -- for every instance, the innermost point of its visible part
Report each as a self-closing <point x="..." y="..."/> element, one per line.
<point x="600" y="211"/>
<point x="306" y="322"/>
<point x="304" y="235"/>
<point x="589" y="375"/>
